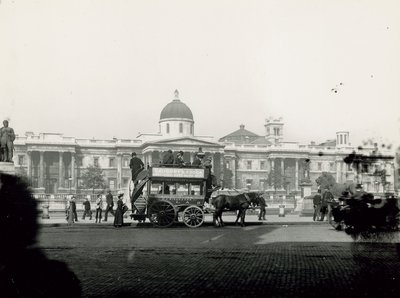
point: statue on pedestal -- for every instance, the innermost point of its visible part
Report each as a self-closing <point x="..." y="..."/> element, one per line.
<point x="7" y="137"/>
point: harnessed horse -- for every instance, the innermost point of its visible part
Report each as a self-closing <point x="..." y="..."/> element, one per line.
<point x="240" y="202"/>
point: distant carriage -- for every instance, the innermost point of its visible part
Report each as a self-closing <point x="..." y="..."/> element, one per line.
<point x="165" y="195"/>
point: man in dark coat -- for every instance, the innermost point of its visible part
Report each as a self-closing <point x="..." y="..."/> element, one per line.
<point x="136" y="166"/>
<point x="168" y="159"/>
<point x="110" y="205"/>
<point x="87" y="209"/>
<point x="327" y="200"/>
<point x="317" y="200"/>
<point x="179" y="161"/>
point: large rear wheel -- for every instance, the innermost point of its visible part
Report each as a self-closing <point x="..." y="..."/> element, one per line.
<point x="162" y="214"/>
<point x="193" y="216"/>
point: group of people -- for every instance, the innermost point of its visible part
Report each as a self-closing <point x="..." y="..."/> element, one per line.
<point x="101" y="204"/>
<point x="323" y="205"/>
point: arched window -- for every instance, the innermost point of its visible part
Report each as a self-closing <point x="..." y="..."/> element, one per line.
<point x="180" y="128"/>
<point x="191" y="129"/>
<point x="167" y="127"/>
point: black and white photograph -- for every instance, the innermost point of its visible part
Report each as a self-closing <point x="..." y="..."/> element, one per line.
<point x="187" y="148"/>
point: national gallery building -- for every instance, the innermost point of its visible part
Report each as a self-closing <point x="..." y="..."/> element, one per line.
<point x="54" y="163"/>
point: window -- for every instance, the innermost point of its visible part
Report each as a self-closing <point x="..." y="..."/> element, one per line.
<point x="180" y="128"/>
<point x="348" y="167"/>
<point x="345" y="139"/>
<point x="249" y="182"/>
<point x="125" y="182"/>
<point x="20" y="160"/>
<point x="268" y="131"/>
<point x="341" y="139"/>
<point x="249" y="164"/>
<point x="331" y="166"/>
<point x="126" y="161"/>
<point x="191" y="128"/>
<point x="79" y="161"/>
<point x="262" y="165"/>
<point x="167" y="127"/>
<point x="111" y="162"/>
<point x="96" y="161"/>
<point x="111" y="184"/>
<point x="319" y="166"/>
<point x="228" y="165"/>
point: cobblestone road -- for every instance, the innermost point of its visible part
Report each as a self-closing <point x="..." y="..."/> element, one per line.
<point x="231" y="262"/>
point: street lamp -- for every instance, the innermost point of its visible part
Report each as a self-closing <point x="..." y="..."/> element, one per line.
<point x="70" y="183"/>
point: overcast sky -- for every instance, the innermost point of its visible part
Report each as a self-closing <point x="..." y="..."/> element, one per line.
<point x="106" y="68"/>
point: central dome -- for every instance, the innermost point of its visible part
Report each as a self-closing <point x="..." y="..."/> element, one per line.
<point x="176" y="109"/>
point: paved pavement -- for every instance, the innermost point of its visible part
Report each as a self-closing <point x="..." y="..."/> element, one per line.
<point x="282" y="257"/>
<point x="252" y="218"/>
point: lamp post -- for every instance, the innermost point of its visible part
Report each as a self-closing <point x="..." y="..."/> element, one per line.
<point x="70" y="183"/>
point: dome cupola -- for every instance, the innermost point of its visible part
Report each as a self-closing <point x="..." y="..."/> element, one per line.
<point x="176" y="119"/>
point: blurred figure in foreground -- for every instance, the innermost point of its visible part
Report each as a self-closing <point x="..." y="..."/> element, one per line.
<point x="24" y="270"/>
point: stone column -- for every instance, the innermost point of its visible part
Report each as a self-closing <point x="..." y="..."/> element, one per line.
<point x="296" y="181"/>
<point x="119" y="171"/>
<point x="338" y="172"/>
<point x="191" y="157"/>
<point x="283" y="172"/>
<point x="73" y="170"/>
<point x="41" y="169"/>
<point x="234" y="172"/>
<point x="222" y="165"/>
<point x="272" y="171"/>
<point x="60" y="169"/>
<point x="29" y="164"/>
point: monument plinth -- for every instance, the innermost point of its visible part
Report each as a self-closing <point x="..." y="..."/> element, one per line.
<point x="7" y="168"/>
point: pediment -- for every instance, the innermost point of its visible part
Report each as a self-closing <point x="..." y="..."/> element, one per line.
<point x="186" y="141"/>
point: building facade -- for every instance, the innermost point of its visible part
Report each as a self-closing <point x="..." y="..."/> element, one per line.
<point x="55" y="163"/>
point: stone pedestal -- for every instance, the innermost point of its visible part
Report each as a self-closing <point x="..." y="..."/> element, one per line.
<point x="304" y="206"/>
<point x="7" y="168"/>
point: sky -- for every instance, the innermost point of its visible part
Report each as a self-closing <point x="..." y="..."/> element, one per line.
<point x="106" y="68"/>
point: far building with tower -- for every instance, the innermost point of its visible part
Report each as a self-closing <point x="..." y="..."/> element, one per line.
<point x="54" y="163"/>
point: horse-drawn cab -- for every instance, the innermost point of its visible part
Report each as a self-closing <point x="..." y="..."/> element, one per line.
<point x="164" y="194"/>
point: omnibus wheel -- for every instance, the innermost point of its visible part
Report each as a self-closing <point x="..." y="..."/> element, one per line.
<point x="193" y="216"/>
<point x="162" y="214"/>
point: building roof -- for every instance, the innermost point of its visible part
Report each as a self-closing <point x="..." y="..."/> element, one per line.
<point x="329" y="143"/>
<point x="240" y="133"/>
<point x="261" y="141"/>
<point x="176" y="109"/>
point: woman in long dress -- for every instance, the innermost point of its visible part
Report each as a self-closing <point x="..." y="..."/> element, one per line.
<point x="119" y="213"/>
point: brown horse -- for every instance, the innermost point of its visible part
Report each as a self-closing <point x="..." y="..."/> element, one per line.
<point x="240" y="202"/>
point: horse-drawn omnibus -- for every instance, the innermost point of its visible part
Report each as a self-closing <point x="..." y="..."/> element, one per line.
<point x="166" y="194"/>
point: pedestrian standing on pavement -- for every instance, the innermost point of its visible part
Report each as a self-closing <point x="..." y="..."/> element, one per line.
<point x="87" y="209"/>
<point x="329" y="199"/>
<point x="73" y="208"/>
<point x="119" y="212"/>
<point x="317" y="200"/>
<point x="110" y="205"/>
<point x="99" y="208"/>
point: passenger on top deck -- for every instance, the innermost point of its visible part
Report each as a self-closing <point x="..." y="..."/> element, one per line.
<point x="168" y="159"/>
<point x="179" y="161"/>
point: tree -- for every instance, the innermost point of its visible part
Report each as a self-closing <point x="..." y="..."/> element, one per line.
<point x="93" y="178"/>
<point x="275" y="179"/>
<point x="228" y="183"/>
<point x="326" y="180"/>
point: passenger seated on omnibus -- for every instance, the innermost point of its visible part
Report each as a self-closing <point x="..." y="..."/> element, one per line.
<point x="179" y="161"/>
<point x="166" y="190"/>
<point x="197" y="161"/>
<point x="168" y="159"/>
